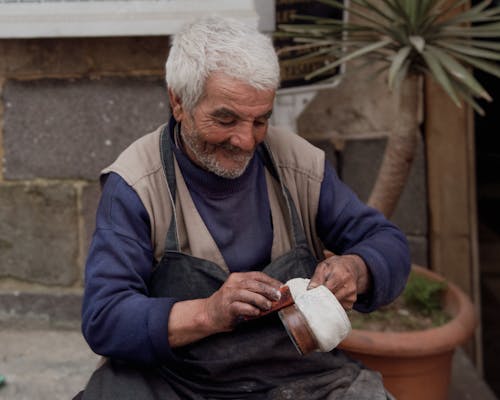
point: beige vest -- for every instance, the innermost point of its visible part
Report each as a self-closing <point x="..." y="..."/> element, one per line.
<point x="300" y="165"/>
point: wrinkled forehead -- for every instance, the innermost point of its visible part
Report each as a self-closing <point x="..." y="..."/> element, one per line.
<point x="225" y="92"/>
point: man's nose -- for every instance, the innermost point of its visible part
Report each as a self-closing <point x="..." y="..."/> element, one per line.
<point x="244" y="137"/>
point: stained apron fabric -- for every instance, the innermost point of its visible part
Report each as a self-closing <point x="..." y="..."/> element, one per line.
<point x="257" y="360"/>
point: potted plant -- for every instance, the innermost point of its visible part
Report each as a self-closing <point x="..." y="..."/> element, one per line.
<point x="416" y="364"/>
<point x="407" y="40"/>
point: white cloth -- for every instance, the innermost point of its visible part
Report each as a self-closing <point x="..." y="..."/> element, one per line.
<point x="324" y="314"/>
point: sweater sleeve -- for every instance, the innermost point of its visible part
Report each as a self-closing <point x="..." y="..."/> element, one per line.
<point x="348" y="226"/>
<point x="119" y="319"/>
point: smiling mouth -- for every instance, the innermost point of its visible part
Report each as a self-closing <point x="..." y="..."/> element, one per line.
<point x="235" y="152"/>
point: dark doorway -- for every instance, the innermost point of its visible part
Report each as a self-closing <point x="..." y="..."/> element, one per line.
<point x="487" y="135"/>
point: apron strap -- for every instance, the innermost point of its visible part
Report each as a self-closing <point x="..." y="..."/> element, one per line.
<point x="266" y="156"/>
<point x="167" y="159"/>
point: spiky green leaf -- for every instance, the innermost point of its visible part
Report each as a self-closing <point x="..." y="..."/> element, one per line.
<point x="457" y="42"/>
<point x="482" y="31"/>
<point x="376" y="9"/>
<point x="397" y="64"/>
<point x="478" y="44"/>
<point x="470" y="50"/>
<point x="364" y="16"/>
<point x="458" y="72"/>
<point x="469" y="99"/>
<point x="486" y="66"/>
<point x="468" y="15"/>
<point x="418" y="43"/>
<point x="440" y="76"/>
<point x="355" y="54"/>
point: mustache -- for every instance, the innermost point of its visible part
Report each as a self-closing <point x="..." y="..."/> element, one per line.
<point x="234" y="150"/>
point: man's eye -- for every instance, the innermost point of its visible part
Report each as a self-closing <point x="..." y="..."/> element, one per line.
<point x="226" y="122"/>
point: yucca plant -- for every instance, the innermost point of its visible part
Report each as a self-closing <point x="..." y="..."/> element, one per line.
<point x="406" y="39"/>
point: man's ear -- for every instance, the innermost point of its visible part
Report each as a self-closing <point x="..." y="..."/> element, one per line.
<point x="176" y="104"/>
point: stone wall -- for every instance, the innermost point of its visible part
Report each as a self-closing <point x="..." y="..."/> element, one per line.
<point x="68" y="107"/>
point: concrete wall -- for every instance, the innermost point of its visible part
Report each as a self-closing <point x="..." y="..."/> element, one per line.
<point x="68" y="107"/>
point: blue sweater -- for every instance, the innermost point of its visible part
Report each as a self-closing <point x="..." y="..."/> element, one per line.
<point x="120" y="320"/>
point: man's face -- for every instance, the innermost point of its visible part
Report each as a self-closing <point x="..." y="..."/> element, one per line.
<point x="227" y="124"/>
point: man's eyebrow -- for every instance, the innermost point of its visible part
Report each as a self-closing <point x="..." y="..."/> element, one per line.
<point x="224" y="113"/>
<point x="228" y="113"/>
<point x="267" y="115"/>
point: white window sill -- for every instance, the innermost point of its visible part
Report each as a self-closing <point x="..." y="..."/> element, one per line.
<point x="23" y="19"/>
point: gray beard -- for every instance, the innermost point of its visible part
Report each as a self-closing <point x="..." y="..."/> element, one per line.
<point x="209" y="162"/>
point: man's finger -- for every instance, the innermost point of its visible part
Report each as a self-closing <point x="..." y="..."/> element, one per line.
<point x="260" y="283"/>
<point x="320" y="276"/>
<point x="264" y="278"/>
<point x="255" y="300"/>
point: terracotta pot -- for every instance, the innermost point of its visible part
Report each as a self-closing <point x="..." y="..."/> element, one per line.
<point x="416" y="365"/>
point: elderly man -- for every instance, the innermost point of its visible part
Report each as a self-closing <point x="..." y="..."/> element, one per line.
<point x="202" y="221"/>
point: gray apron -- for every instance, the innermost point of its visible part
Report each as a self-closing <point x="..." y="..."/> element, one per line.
<point x="257" y="360"/>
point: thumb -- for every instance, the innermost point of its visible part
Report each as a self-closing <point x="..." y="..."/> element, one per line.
<point x="314" y="282"/>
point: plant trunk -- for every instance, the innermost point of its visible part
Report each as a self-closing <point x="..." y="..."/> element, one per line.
<point x="400" y="149"/>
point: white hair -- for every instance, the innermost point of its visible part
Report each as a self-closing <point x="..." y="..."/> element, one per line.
<point x="217" y="44"/>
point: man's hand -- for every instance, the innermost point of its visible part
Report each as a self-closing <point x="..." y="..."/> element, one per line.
<point x="346" y="276"/>
<point x="243" y="295"/>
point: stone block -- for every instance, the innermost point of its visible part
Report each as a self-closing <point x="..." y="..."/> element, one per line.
<point x="361" y="160"/>
<point x="39" y="233"/>
<point x="71" y="129"/>
<point x="31" y="310"/>
<point x="82" y="57"/>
